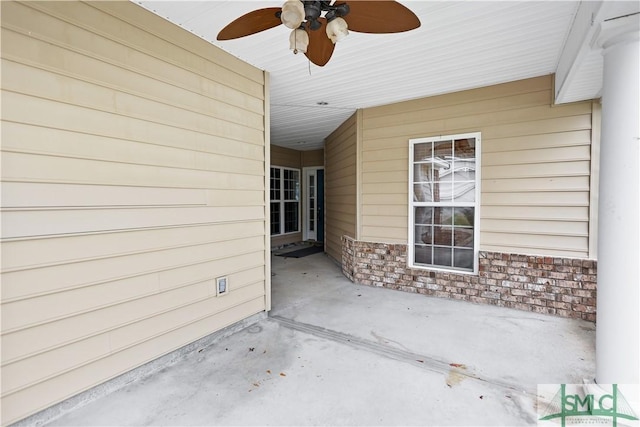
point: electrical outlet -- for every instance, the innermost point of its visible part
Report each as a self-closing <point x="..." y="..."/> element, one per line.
<point x="222" y="286"/>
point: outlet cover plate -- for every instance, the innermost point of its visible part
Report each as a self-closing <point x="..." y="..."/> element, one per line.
<point x="222" y="286"/>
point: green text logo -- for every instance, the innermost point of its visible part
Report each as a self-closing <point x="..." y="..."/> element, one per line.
<point x="576" y="404"/>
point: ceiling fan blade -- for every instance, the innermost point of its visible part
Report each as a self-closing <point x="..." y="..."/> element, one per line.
<point x="251" y="23"/>
<point x="320" y="46"/>
<point x="380" y="16"/>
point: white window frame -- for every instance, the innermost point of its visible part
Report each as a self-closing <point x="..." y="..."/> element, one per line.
<point x="476" y="204"/>
<point x="282" y="200"/>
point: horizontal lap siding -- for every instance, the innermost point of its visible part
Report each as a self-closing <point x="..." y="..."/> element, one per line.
<point x="536" y="162"/>
<point x="285" y="157"/>
<point x="312" y="158"/>
<point x="133" y="161"/>
<point x="340" y="186"/>
<point x="285" y="239"/>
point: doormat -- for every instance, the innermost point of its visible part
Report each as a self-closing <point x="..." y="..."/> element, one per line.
<point x="299" y="253"/>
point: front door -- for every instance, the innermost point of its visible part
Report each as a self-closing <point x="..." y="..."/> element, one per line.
<point x="314" y="206"/>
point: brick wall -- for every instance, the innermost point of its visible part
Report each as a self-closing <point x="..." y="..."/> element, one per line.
<point x="559" y="286"/>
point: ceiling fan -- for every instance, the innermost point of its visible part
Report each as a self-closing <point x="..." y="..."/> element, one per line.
<point x="318" y="25"/>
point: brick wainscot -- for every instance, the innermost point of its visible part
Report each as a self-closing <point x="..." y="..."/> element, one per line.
<point x="563" y="287"/>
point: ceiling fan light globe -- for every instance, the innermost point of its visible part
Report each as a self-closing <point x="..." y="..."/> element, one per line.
<point x="337" y="29"/>
<point x="292" y="14"/>
<point x="299" y="41"/>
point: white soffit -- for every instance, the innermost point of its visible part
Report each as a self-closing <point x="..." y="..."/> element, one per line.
<point x="460" y="45"/>
<point x="580" y="67"/>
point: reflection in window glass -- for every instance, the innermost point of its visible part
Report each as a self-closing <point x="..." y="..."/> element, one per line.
<point x="290" y="217"/>
<point x="442" y="256"/>
<point x="275" y="218"/>
<point x="444" y="182"/>
<point x="291" y="184"/>
<point x="423" y="254"/>
<point x="285" y="200"/>
<point x="463" y="258"/>
<point x="275" y="184"/>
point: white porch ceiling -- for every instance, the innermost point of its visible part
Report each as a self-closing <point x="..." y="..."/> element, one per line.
<point x="460" y="45"/>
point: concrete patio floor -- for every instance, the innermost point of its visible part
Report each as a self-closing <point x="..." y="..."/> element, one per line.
<point x="335" y="353"/>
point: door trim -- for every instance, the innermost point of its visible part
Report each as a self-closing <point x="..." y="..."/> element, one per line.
<point x="306" y="173"/>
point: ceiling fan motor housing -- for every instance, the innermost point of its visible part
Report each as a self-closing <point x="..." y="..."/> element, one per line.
<point x="313" y="10"/>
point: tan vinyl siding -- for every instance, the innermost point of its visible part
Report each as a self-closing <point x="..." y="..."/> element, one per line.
<point x="312" y="158"/>
<point x="285" y="239"/>
<point x="286" y="157"/>
<point x="340" y="186"/>
<point x="536" y="161"/>
<point x="133" y="167"/>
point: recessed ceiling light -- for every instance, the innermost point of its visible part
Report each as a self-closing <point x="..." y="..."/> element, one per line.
<point x="322" y="103"/>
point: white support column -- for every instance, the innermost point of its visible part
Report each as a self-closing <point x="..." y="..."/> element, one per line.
<point x="618" y="319"/>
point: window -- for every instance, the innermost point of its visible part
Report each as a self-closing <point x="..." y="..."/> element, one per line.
<point x="444" y="177"/>
<point x="285" y="200"/>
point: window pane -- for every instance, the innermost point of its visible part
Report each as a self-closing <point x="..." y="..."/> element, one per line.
<point x="465" y="148"/>
<point x="290" y="217"/>
<point x="442" y="191"/>
<point x="422" y="254"/>
<point x="463" y="237"/>
<point x="291" y="185"/>
<point x="443" y="150"/>
<point x="422" y="151"/>
<point x="424" y="234"/>
<point x="294" y="192"/>
<point x="423" y="172"/>
<point x="464" y="191"/>
<point x="443" y="216"/>
<point x="275" y="184"/>
<point x="464" y="216"/>
<point x="464" y="170"/>
<point x="463" y="258"/>
<point x="443" y="236"/>
<point x="423" y="192"/>
<point x="275" y="218"/>
<point x="442" y="256"/>
<point x="423" y="215"/>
